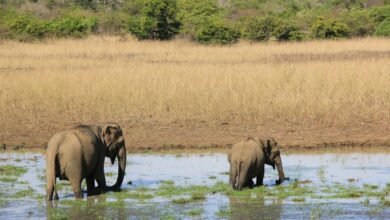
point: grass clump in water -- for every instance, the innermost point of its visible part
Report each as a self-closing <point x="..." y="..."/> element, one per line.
<point x="139" y="196"/>
<point x="298" y="199"/>
<point x="57" y="213"/>
<point x="10" y="170"/>
<point x="224" y="212"/>
<point x="24" y="193"/>
<point x="196" y="196"/>
<point x="180" y="201"/>
<point x="195" y="212"/>
<point x="8" y="179"/>
<point x="167" y="182"/>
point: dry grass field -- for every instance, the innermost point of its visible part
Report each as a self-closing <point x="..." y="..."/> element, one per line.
<point x="180" y="93"/>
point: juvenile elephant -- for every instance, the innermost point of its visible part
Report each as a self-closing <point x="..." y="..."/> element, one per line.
<point x="248" y="158"/>
<point x="79" y="153"/>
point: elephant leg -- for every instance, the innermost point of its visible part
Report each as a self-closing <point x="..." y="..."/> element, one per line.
<point x="233" y="177"/>
<point x="90" y="186"/>
<point x="243" y="177"/>
<point x="101" y="181"/>
<point x="260" y="177"/>
<point x="55" y="194"/>
<point x="76" y="187"/>
<point x="249" y="183"/>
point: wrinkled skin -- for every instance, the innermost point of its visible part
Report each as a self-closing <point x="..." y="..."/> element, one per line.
<point x="248" y="158"/>
<point x="79" y="153"/>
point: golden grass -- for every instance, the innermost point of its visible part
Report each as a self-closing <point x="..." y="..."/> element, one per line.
<point x="110" y="79"/>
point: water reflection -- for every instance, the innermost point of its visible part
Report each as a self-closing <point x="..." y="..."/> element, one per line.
<point x="255" y="208"/>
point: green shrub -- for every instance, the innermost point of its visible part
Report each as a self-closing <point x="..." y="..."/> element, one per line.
<point x="284" y="31"/>
<point x="380" y="14"/>
<point x="359" y="22"/>
<point x="113" y="22"/>
<point x="158" y="21"/>
<point x="259" y="28"/>
<point x="27" y="28"/>
<point x="195" y="13"/>
<point x="329" y="28"/>
<point x="142" y="27"/>
<point x="217" y="32"/>
<point x="71" y="26"/>
<point x="383" y="29"/>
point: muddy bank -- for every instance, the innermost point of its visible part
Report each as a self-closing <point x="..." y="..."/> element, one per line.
<point x="158" y="136"/>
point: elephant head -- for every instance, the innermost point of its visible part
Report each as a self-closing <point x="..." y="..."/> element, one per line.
<point x="273" y="158"/>
<point x="115" y="143"/>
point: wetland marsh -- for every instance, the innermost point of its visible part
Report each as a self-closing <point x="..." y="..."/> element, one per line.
<point x="194" y="186"/>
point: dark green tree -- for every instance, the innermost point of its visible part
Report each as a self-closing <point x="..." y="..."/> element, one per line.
<point x="158" y="21"/>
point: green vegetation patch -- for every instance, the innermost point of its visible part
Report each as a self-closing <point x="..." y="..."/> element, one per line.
<point x="8" y="179"/>
<point x="195" y="212"/>
<point x="10" y="170"/>
<point x="24" y="193"/>
<point x="224" y="213"/>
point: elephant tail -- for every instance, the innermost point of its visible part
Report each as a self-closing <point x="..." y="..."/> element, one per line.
<point x="51" y="177"/>
<point x="239" y="163"/>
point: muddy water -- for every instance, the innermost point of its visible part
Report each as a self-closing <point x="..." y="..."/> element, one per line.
<point x="147" y="173"/>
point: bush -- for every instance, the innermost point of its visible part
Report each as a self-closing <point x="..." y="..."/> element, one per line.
<point x="195" y="13"/>
<point x="70" y="26"/>
<point x="359" y="22"/>
<point x="383" y="29"/>
<point x="330" y="28"/>
<point x="259" y="28"/>
<point x="27" y="28"/>
<point x="113" y="22"/>
<point x="284" y="31"/>
<point x="380" y="14"/>
<point x="217" y="32"/>
<point x="158" y="21"/>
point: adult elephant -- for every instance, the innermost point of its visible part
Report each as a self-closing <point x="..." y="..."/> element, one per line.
<point x="79" y="153"/>
<point x="248" y="158"/>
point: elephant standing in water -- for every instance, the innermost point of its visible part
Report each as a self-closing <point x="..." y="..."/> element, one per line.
<point x="248" y="158"/>
<point x="79" y="153"/>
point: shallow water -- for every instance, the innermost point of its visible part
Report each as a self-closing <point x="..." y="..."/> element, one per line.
<point x="322" y="172"/>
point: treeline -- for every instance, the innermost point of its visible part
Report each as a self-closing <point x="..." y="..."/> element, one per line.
<point x="205" y="21"/>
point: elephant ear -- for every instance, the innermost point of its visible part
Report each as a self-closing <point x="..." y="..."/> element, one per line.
<point x="109" y="133"/>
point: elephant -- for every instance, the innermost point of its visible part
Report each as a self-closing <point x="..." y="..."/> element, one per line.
<point x="79" y="153"/>
<point x="248" y="158"/>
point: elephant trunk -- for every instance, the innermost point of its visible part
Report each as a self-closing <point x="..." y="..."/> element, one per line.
<point x="279" y="166"/>
<point x="121" y="168"/>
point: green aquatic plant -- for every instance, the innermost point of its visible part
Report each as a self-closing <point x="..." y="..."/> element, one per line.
<point x="24" y="193"/>
<point x="180" y="201"/>
<point x="298" y="199"/>
<point x="223" y="212"/>
<point x="195" y="212"/>
<point x="167" y="182"/>
<point x="57" y="213"/>
<point x="7" y="179"/>
<point x="370" y="186"/>
<point x="196" y="196"/>
<point x="139" y="196"/>
<point x="10" y="170"/>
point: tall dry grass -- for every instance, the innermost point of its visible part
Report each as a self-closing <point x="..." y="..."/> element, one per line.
<point x="108" y="79"/>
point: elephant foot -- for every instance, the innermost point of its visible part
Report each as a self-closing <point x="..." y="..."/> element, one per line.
<point x="78" y="195"/>
<point x="250" y="184"/>
<point x="280" y="181"/>
<point x="95" y="192"/>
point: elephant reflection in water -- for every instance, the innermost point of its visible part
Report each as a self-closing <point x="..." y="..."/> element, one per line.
<point x="95" y="207"/>
<point x="255" y="208"/>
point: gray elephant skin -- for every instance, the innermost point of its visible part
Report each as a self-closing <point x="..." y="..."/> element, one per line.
<point x="79" y="153"/>
<point x="248" y="158"/>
